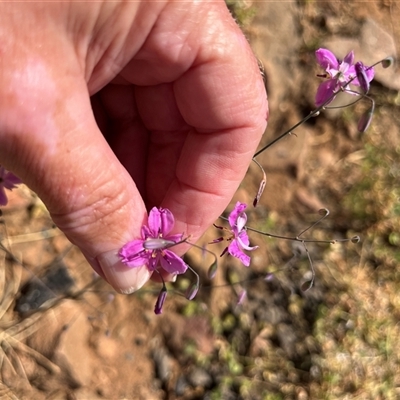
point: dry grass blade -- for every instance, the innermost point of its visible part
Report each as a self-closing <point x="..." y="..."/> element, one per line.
<point x="11" y="337"/>
<point x="31" y="237"/>
<point x="39" y="358"/>
<point x="6" y="393"/>
<point x="22" y="329"/>
<point x="11" y="290"/>
<point x="14" y="360"/>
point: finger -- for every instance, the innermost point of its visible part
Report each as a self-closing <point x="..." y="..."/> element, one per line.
<point x="220" y="98"/>
<point x="116" y="114"/>
<point x="228" y="113"/>
<point x="57" y="149"/>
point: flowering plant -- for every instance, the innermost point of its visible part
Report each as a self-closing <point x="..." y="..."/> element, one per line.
<point x="342" y="74"/>
<point x="239" y="238"/>
<point x="153" y="248"/>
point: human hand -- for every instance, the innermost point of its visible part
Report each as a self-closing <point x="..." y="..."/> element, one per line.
<point x="110" y="108"/>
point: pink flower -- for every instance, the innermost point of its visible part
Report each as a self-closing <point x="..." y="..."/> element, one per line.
<point x="340" y="73"/>
<point x="151" y="249"/>
<point x="7" y="181"/>
<point x="239" y="239"/>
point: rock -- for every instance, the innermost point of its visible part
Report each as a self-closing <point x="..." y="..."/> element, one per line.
<point x="37" y="291"/>
<point x="163" y="364"/>
<point x="199" y="377"/>
<point x="73" y="353"/>
<point x="181" y="385"/>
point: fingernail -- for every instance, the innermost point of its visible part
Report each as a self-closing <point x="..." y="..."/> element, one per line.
<point x="122" y="278"/>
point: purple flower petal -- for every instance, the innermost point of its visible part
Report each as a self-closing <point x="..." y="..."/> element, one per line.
<point x="132" y="248"/>
<point x="362" y="76"/>
<point x="349" y="59"/>
<point x="147" y="233"/>
<point x="11" y="181"/>
<point x="369" y="72"/>
<point x="235" y="251"/>
<point x="325" y="90"/>
<point x="326" y="59"/>
<point x="243" y="240"/>
<point x="175" y="238"/>
<point x="171" y="263"/>
<point x="133" y="254"/>
<point x="241" y="221"/>
<point x="236" y="213"/>
<point x="160" y="221"/>
<point x="347" y="76"/>
<point x="167" y="221"/>
<point x="7" y="181"/>
<point x="3" y="196"/>
<point x="154" y="223"/>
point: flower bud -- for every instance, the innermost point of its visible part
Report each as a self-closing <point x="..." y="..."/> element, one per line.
<point x="365" y="120"/>
<point x="157" y="243"/>
<point x="160" y="301"/>
<point x="192" y="291"/>
<point x="362" y="76"/>
<point x="259" y="192"/>
<point x="355" y="239"/>
<point x="212" y="271"/>
<point x="307" y="285"/>
<point x="323" y="211"/>
<point x="387" y="62"/>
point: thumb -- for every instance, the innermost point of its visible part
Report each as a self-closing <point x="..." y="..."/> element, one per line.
<point x="50" y="139"/>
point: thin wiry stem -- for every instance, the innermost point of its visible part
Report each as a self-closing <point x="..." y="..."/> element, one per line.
<point x="317" y="111"/>
<point x="297" y="238"/>
<point x="324" y="212"/>
<point x="309" y="284"/>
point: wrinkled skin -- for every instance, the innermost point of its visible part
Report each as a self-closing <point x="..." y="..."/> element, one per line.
<point x="110" y="108"/>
